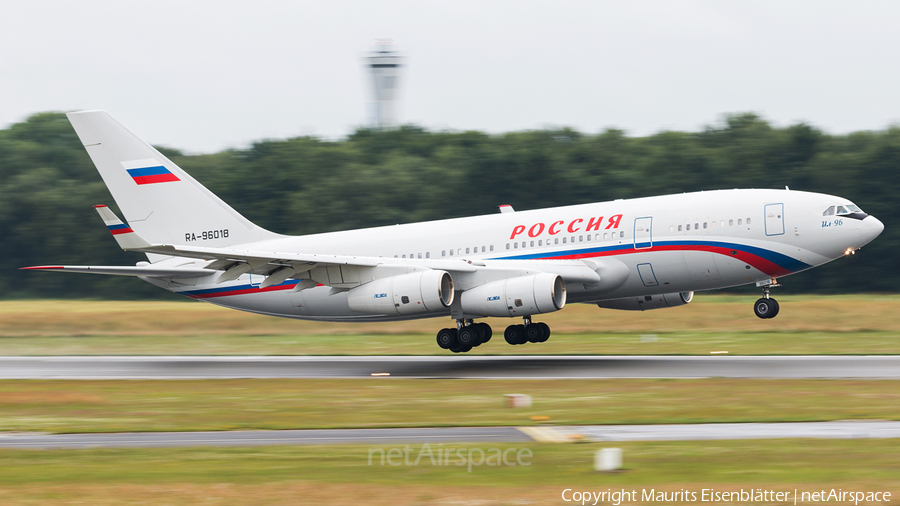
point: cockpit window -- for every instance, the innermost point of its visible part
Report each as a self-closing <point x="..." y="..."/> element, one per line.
<point x="829" y="211"/>
<point x="842" y="210"/>
<point x="854" y="209"/>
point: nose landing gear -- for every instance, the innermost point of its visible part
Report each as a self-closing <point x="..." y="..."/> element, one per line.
<point x="766" y="307"/>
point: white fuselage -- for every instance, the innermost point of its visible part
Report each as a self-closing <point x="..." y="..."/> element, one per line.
<point x="645" y="246"/>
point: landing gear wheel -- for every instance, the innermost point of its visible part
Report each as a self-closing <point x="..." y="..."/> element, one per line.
<point x="534" y="333"/>
<point x="487" y="332"/>
<point x="546" y="329"/>
<point x="460" y="349"/>
<point x="479" y="334"/>
<point x="468" y="336"/>
<point x="766" y="308"/>
<point x="515" y="334"/>
<point x="777" y="307"/>
<point x="446" y="338"/>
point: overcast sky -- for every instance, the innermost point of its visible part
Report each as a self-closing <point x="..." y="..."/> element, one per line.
<point x="208" y="75"/>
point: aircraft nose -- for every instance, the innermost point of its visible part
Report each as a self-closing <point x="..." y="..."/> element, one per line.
<point x="872" y="228"/>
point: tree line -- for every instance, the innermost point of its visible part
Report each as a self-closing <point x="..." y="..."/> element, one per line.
<point x="371" y="178"/>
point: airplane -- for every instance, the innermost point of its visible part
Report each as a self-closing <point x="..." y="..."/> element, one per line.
<point x="635" y="254"/>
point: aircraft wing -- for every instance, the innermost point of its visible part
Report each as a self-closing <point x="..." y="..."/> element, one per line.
<point x="337" y="271"/>
<point x="149" y="270"/>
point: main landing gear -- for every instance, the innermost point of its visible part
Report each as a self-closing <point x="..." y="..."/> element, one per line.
<point x="766" y="307"/>
<point x="468" y="335"/>
<point x="528" y="333"/>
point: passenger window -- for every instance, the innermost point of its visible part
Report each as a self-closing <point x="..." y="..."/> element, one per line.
<point x="564" y="240"/>
<point x="712" y="224"/>
<point x="671" y="228"/>
<point x="396" y="256"/>
<point x="459" y="251"/>
<point x="427" y="254"/>
<point x="704" y="225"/>
<point x="467" y="251"/>
<point x="556" y="241"/>
<point x="420" y="256"/>
<point x="748" y="221"/>
<point x="482" y="249"/>
<point x="516" y="245"/>
<point x="580" y="238"/>
<point x="507" y="245"/>
<point x="687" y="227"/>
<point x="605" y="236"/>
<point x="523" y="244"/>
<point x="696" y="226"/>
<point x="622" y="235"/>
<point x="739" y="221"/>
<point x="492" y="247"/>
<point x="443" y="252"/>
<point x="540" y="242"/>
<point x="679" y="228"/>
<point x="404" y="256"/>
<point x="722" y="223"/>
<point x="730" y="223"/>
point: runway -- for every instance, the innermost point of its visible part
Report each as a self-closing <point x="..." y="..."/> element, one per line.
<point x="472" y="367"/>
<point x="458" y="435"/>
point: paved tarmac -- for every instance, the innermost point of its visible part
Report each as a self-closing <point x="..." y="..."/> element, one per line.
<point x="476" y="367"/>
<point x="458" y="435"/>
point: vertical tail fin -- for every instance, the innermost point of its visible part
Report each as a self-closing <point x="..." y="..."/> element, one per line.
<point x="161" y="202"/>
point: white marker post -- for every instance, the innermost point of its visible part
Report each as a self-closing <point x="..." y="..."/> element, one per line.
<point x="608" y="459"/>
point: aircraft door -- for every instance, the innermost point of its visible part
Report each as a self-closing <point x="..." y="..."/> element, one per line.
<point x="645" y="271"/>
<point x="643" y="238"/>
<point x="774" y="219"/>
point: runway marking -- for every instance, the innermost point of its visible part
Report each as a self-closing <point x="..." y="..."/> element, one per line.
<point x="545" y="434"/>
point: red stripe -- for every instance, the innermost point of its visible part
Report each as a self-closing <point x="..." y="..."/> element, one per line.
<point x="99" y="206"/>
<point x="41" y="267"/>
<point x="157" y="178"/>
<point x="121" y="231"/>
<point x="761" y="264"/>
<point x="241" y="292"/>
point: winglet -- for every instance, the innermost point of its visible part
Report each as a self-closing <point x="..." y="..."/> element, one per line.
<point x="128" y="239"/>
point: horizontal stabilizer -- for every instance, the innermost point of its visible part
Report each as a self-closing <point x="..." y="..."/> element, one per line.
<point x="127" y="238"/>
<point x="140" y="270"/>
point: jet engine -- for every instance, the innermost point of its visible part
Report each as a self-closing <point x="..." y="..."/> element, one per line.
<point x="646" y="302"/>
<point x="520" y="296"/>
<point x="413" y="293"/>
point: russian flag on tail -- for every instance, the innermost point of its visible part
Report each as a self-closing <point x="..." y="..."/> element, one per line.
<point x="148" y="171"/>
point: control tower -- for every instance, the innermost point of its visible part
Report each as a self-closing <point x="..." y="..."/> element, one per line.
<point x="384" y="66"/>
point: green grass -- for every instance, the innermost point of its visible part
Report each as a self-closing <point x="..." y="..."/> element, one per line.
<point x="342" y="474"/>
<point x="176" y="405"/>
<point x="858" y="324"/>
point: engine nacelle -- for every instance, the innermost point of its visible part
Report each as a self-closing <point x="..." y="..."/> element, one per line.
<point x="646" y="302"/>
<point x="413" y="293"/>
<point x="521" y="296"/>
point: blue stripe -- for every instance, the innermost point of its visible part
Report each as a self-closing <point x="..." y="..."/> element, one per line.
<point x="148" y="171"/>
<point x="789" y="263"/>
<point x="117" y="227"/>
<point x="233" y="288"/>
